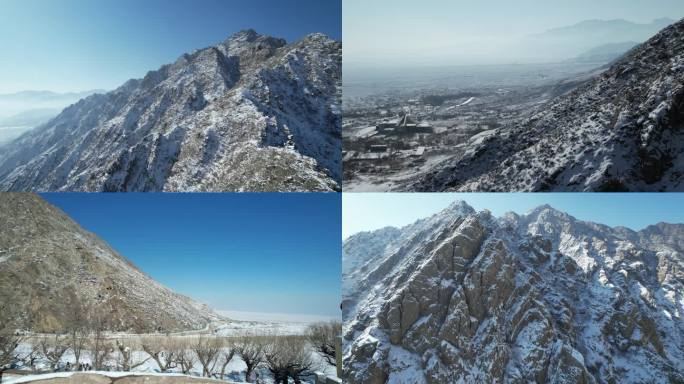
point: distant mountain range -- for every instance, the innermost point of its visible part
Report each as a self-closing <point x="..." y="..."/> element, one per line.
<point x="22" y="111"/>
<point x="52" y="267"/>
<point x="575" y="40"/>
<point x="251" y="113"/>
<point x="45" y="96"/>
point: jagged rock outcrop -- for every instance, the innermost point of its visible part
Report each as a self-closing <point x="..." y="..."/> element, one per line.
<point x="621" y="131"/>
<point x="463" y="296"/>
<point x="252" y="113"/>
<point x="52" y="270"/>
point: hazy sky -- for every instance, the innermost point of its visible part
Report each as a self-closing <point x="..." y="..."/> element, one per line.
<point x="369" y="211"/>
<point x="258" y="252"/>
<point x="380" y="31"/>
<point x="77" y="45"/>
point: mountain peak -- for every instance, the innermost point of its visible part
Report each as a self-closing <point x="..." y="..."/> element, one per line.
<point x="246" y="34"/>
<point x="545" y="211"/>
<point x="252" y="36"/>
<point x="461" y="207"/>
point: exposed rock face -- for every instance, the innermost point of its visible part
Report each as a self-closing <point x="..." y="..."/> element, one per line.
<point x="51" y="268"/>
<point x="466" y="297"/>
<point x="249" y="114"/>
<point x="624" y="130"/>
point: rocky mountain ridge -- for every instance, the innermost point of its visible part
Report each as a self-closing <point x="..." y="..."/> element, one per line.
<point x="621" y="131"/>
<point x="52" y="269"/>
<point x="463" y="296"/>
<point x="251" y="113"/>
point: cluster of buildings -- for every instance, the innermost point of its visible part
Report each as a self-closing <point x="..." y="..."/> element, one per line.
<point x="384" y="140"/>
<point x="403" y="126"/>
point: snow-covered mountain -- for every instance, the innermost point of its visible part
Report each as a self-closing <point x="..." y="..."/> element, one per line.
<point x="622" y="130"/>
<point x="50" y="268"/>
<point x="464" y="297"/>
<point x="252" y="113"/>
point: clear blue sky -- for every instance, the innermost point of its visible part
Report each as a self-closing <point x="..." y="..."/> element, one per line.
<point x="368" y="211"/>
<point x="76" y="45"/>
<point x="270" y="252"/>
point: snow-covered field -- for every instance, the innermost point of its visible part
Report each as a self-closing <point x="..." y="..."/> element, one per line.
<point x="148" y="376"/>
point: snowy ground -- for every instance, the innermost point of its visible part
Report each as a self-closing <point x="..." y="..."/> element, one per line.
<point x="392" y="181"/>
<point x="267" y="323"/>
<point x="148" y="377"/>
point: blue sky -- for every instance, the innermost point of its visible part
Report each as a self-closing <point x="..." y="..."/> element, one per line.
<point x="369" y="211"/>
<point x="270" y="252"/>
<point x="76" y="45"/>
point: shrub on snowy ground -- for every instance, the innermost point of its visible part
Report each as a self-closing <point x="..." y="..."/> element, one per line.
<point x="289" y="357"/>
<point x="184" y="356"/>
<point x="8" y="350"/>
<point x="323" y="338"/>
<point x="251" y="350"/>
<point x="225" y="356"/>
<point x="32" y="357"/>
<point x="163" y="350"/>
<point x="9" y="341"/>
<point x="78" y="328"/>
<point x="126" y="359"/>
<point x="53" y="349"/>
<point x="207" y="350"/>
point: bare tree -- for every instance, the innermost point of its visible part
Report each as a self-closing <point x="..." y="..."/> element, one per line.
<point x="33" y="355"/>
<point x="100" y="348"/>
<point x="9" y="341"/>
<point x="207" y="350"/>
<point x="251" y="351"/>
<point x="184" y="356"/>
<point x="53" y="349"/>
<point x="78" y="342"/>
<point x="161" y="351"/>
<point x="323" y="338"/>
<point x="127" y="361"/>
<point x="289" y="356"/>
<point x="77" y="327"/>
<point x="225" y="356"/>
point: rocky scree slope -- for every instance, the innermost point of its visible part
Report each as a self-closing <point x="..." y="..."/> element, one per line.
<point x="52" y="269"/>
<point x="624" y="130"/>
<point x="463" y="296"/>
<point x="249" y="114"/>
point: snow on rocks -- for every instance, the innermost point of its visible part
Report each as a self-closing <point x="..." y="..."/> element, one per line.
<point x="541" y="297"/>
<point x="232" y="117"/>
<point x="619" y="131"/>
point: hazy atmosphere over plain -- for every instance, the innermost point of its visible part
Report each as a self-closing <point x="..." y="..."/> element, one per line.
<point x="443" y="32"/>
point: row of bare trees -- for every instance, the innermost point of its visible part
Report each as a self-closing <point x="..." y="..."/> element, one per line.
<point x="285" y="357"/>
